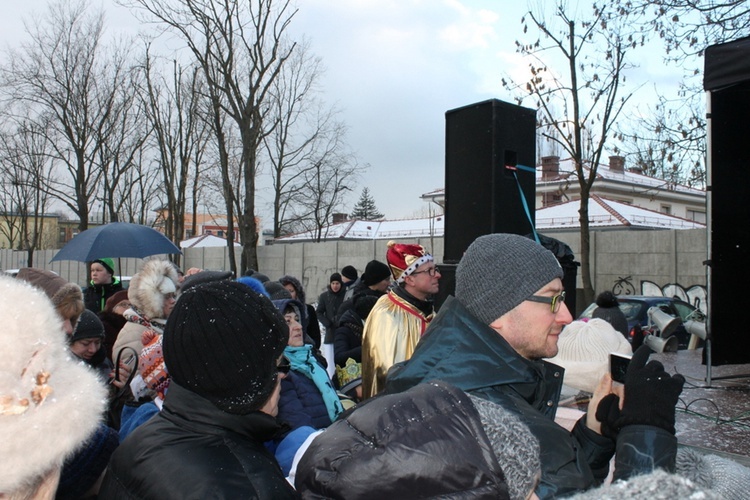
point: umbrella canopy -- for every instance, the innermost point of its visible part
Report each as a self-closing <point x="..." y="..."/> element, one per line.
<point x="117" y="239"/>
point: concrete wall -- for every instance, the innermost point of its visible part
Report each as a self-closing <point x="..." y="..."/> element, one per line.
<point x="621" y="260"/>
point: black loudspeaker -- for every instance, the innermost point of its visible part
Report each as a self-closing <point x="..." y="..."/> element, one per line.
<point x="447" y="284"/>
<point x="489" y="151"/>
<point x="730" y="233"/>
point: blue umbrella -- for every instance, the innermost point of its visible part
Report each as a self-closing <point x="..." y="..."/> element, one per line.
<point x="117" y="239"/>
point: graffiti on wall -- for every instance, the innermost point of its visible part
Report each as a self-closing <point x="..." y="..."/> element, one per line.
<point x="697" y="295"/>
<point x="624" y="286"/>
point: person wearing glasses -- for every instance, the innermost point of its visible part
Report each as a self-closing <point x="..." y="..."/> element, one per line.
<point x="222" y="345"/>
<point x="400" y="317"/>
<point x="491" y="339"/>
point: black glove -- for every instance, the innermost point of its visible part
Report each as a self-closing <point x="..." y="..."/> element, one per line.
<point x="651" y="395"/>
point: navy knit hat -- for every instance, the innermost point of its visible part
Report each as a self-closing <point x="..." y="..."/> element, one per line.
<point x="89" y="326"/>
<point x="222" y="342"/>
<point x="499" y="271"/>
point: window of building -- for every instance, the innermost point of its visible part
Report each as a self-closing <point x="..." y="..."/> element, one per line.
<point x="697" y="216"/>
<point x="666" y="209"/>
<point x="220" y="234"/>
<point x="551" y="199"/>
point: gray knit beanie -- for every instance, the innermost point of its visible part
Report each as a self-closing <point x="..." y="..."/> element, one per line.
<point x="656" y="485"/>
<point x="515" y="447"/>
<point x="499" y="271"/>
<point x="727" y="478"/>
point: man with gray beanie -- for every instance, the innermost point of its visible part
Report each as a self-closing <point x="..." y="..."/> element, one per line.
<point x="221" y="345"/>
<point x="490" y="340"/>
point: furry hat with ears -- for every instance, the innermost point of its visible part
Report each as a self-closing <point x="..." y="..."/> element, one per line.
<point x="148" y="287"/>
<point x="49" y="403"/>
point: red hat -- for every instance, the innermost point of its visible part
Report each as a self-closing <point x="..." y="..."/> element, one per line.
<point x="404" y="259"/>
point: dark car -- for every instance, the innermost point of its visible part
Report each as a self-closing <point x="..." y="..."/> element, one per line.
<point x="635" y="308"/>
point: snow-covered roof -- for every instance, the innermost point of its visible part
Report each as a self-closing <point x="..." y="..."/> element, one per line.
<point x="376" y="230"/>
<point x="604" y="172"/>
<point x="605" y="213"/>
<point x="205" y="240"/>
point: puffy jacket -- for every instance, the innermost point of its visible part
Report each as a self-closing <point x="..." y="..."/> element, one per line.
<point x="95" y="296"/>
<point x="191" y="449"/>
<point x="462" y="351"/>
<point x="301" y="402"/>
<point x="428" y="442"/>
<point x="347" y="340"/>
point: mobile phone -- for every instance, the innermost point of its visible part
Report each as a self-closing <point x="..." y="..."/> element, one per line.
<point x="618" y="366"/>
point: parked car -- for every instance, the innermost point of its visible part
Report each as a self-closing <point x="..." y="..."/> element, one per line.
<point x="635" y="308"/>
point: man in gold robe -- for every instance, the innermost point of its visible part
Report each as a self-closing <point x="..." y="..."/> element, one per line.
<point x="400" y="317"/>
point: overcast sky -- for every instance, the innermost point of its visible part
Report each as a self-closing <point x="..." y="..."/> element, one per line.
<point x="393" y="67"/>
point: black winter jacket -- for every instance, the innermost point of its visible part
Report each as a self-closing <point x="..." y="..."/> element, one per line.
<point x="460" y="350"/>
<point x="95" y="296"/>
<point x="191" y="449"/>
<point x="425" y="443"/>
<point x="328" y="306"/>
<point x="347" y="340"/>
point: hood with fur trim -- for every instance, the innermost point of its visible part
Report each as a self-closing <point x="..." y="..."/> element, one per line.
<point x="291" y="280"/>
<point x="49" y="402"/>
<point x="56" y="287"/>
<point x="148" y="287"/>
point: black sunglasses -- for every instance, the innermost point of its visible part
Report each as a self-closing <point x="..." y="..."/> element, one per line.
<point x="553" y="301"/>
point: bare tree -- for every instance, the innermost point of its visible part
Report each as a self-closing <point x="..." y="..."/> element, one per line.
<point x="580" y="102"/>
<point x="669" y="141"/>
<point x="240" y="48"/>
<point x="180" y="135"/>
<point x="325" y="187"/>
<point x="305" y="128"/>
<point x="64" y="73"/>
<point x="140" y="189"/>
<point x="687" y="27"/>
<point x="674" y="133"/>
<point x="25" y="167"/>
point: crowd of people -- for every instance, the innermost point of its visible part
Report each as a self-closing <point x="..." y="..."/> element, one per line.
<point x="203" y="385"/>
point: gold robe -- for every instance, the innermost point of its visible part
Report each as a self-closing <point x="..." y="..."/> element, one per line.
<point x="391" y="332"/>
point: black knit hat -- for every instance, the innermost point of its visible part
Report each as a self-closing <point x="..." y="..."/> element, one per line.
<point x="276" y="290"/>
<point x="89" y="326"/>
<point x="222" y="342"/>
<point x="335" y="277"/>
<point x="375" y="272"/>
<point x="349" y="272"/>
<point x="608" y="309"/>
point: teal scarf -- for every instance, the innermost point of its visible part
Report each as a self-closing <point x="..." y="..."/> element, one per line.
<point x="302" y="361"/>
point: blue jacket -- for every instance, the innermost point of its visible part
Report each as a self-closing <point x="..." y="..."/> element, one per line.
<point x="301" y="403"/>
<point x="460" y="350"/>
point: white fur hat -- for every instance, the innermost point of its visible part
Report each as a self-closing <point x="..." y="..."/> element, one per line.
<point x="49" y="403"/>
<point x="149" y="286"/>
<point x="583" y="350"/>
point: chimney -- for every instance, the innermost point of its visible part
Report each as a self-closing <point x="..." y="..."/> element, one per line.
<point x="617" y="163"/>
<point x="338" y="217"/>
<point x="550" y="167"/>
